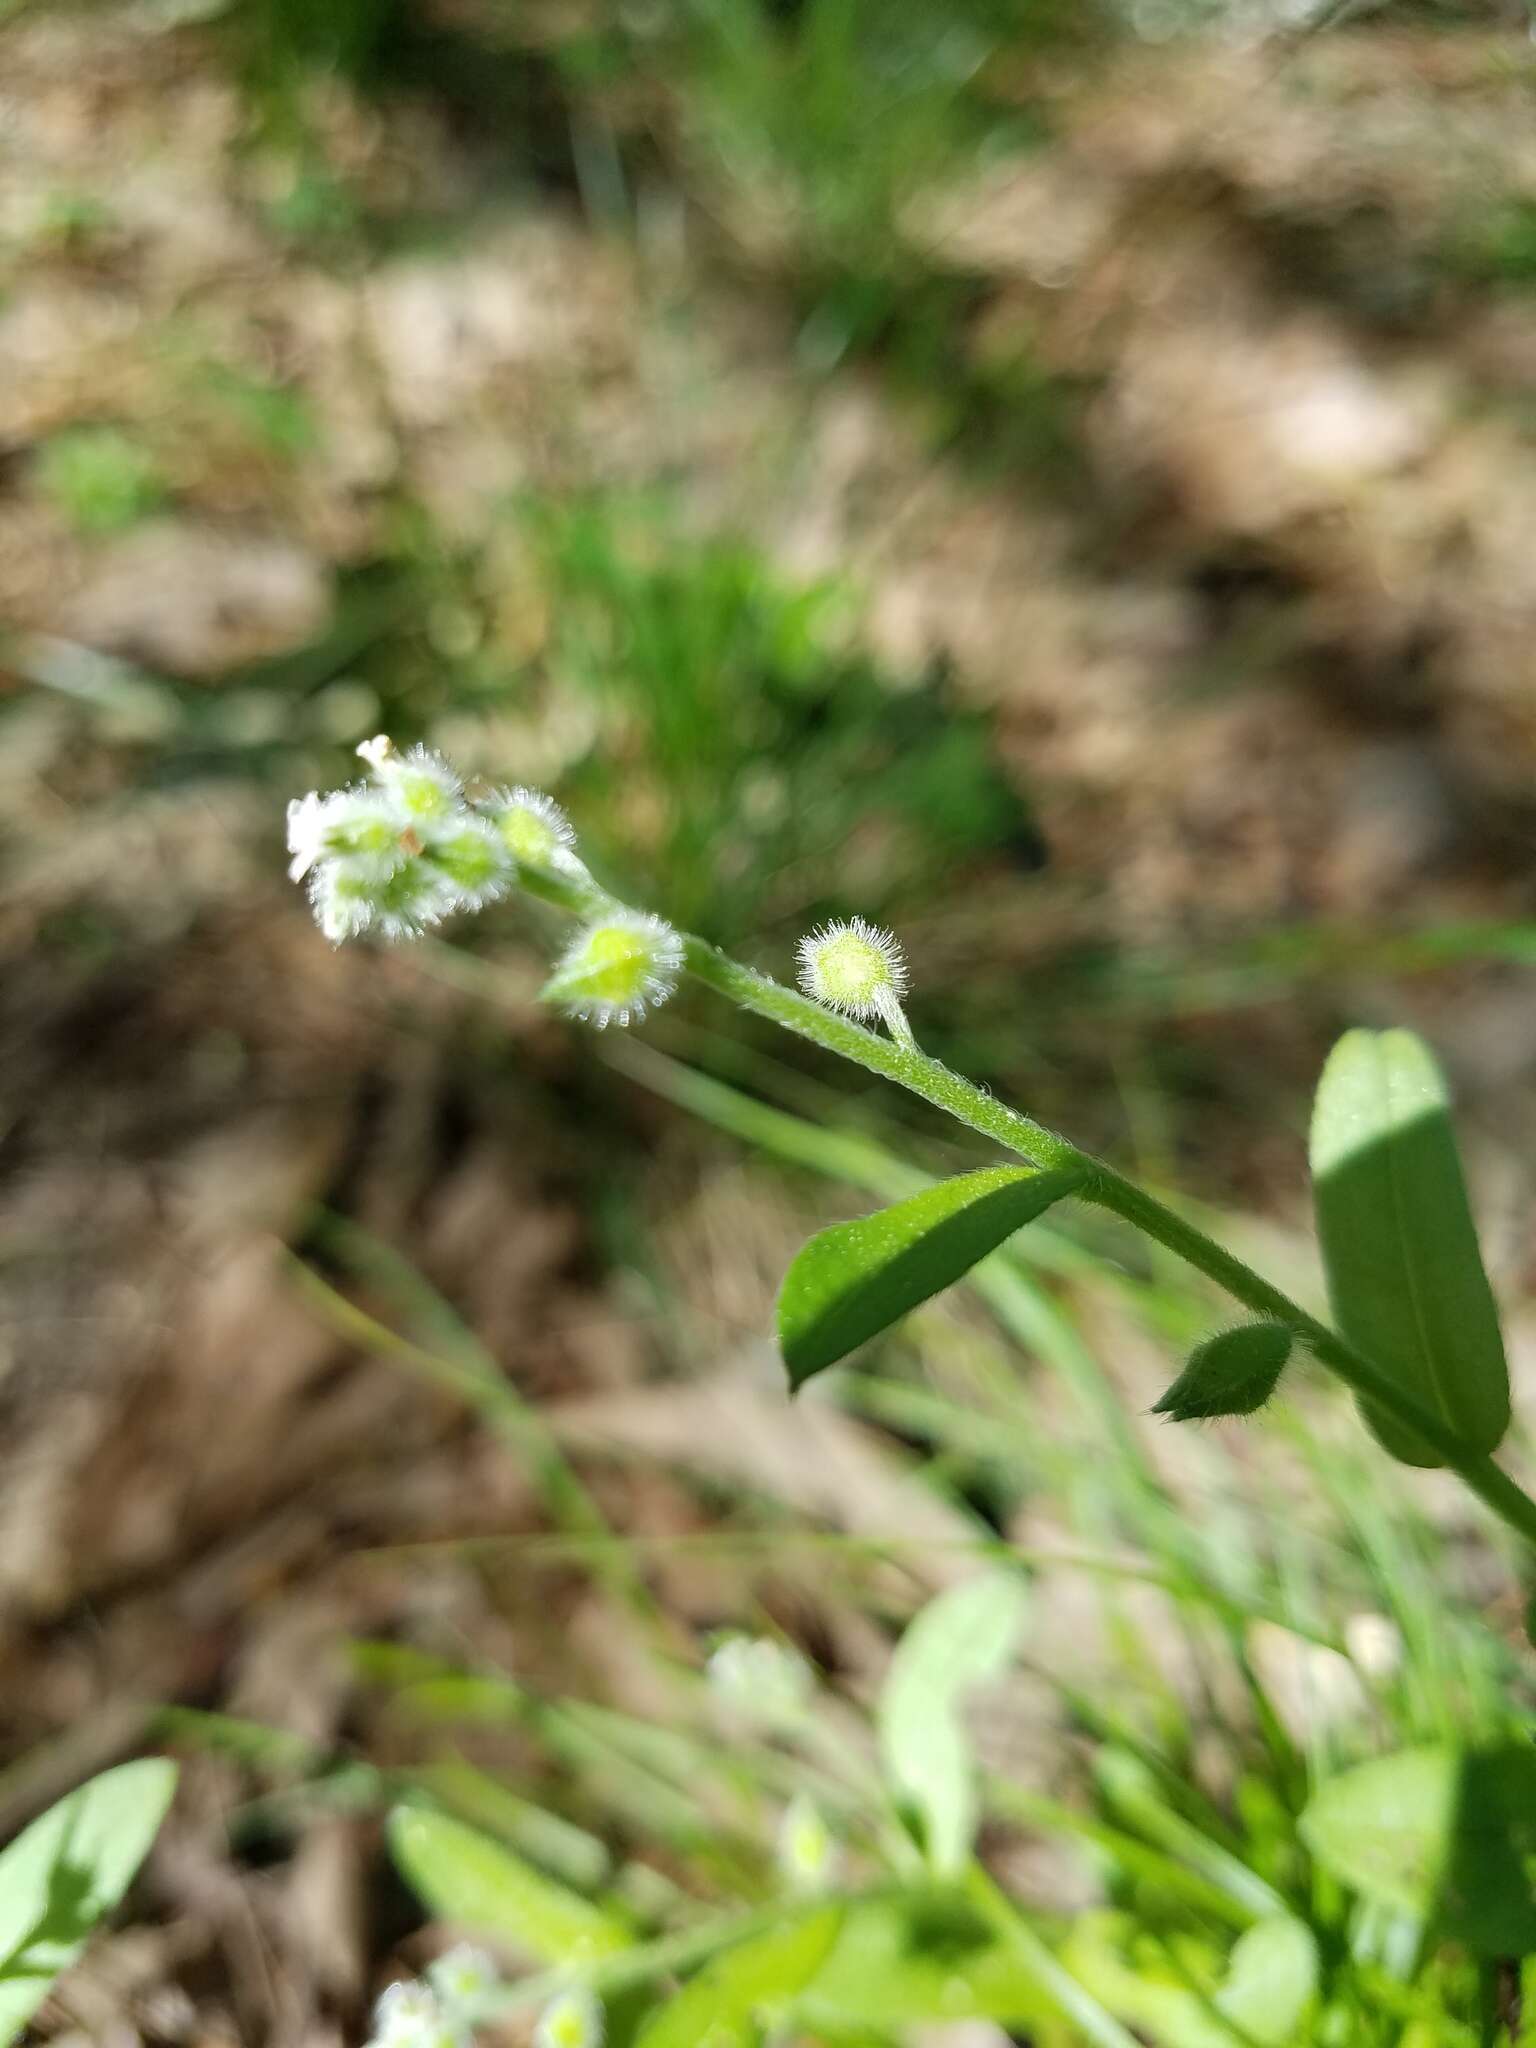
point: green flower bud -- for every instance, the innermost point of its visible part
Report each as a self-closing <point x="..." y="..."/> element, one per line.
<point x="854" y="967"/>
<point x="534" y="829"/>
<point x="616" y="969"/>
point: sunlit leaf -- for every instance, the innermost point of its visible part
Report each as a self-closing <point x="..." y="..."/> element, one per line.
<point x="766" y="1971"/>
<point x="465" y="1877"/>
<point x="921" y="1956"/>
<point x="854" y="1280"/>
<point x="1447" y="1836"/>
<point x="960" y="1640"/>
<point x="1404" y="1271"/>
<point x="1271" y="1980"/>
<point x="65" y="1871"/>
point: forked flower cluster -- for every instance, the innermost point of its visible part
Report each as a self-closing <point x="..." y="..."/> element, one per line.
<point x="397" y="853"/>
<point x="400" y="852"/>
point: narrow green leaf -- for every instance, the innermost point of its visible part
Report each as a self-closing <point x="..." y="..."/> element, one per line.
<point x="464" y="1876"/>
<point x="1446" y="1836"/>
<point x="1232" y="1373"/>
<point x="61" y="1874"/>
<point x="960" y="1640"/>
<point x="1404" y="1272"/>
<point x="854" y="1280"/>
<point x="768" y="1970"/>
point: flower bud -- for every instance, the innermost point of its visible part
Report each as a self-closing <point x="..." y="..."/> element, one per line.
<point x="534" y="829"/>
<point x="572" y="2019"/>
<point x="854" y="967"/>
<point x="617" y="968"/>
<point x="468" y="853"/>
<point x="807" y="1846"/>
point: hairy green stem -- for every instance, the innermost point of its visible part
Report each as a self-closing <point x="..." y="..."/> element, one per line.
<point x="969" y="1104"/>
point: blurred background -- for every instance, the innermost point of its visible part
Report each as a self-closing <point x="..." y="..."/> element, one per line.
<point x="1054" y="476"/>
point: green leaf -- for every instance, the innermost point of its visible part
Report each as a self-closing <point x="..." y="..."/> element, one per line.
<point x="766" y="1970"/>
<point x="920" y="1956"/>
<point x="1447" y="1836"/>
<point x="963" y="1638"/>
<point x="854" y="1280"/>
<point x="1404" y="1272"/>
<point x="61" y="1874"/>
<point x="464" y="1876"/>
<point x="1133" y="1975"/>
<point x="1232" y="1373"/>
<point x="1271" y="1980"/>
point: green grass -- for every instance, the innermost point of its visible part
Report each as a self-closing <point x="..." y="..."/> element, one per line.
<point x="100" y="478"/>
<point x="1181" y="1764"/>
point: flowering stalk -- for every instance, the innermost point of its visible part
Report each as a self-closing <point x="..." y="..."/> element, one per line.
<point x="852" y="979"/>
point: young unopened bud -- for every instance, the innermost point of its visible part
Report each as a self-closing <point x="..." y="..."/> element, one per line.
<point x="469" y="855"/>
<point x="617" y="968"/>
<point x="533" y="828"/>
<point x="854" y="967"/>
<point x="807" y="1846"/>
<point x="572" y="2019"/>
<point x="1232" y="1373"/>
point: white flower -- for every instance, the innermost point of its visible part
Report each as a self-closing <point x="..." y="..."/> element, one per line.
<point x="617" y="968"/>
<point x="342" y="905"/>
<point x="572" y="2019"/>
<point x="463" y="1978"/>
<point x="762" y="1680"/>
<point x="469" y="852"/>
<point x="306" y="828"/>
<point x="421" y="783"/>
<point x="854" y="967"/>
<point x="410" y="2016"/>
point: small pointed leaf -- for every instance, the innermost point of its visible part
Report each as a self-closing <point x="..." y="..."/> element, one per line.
<point x="851" y="1282"/>
<point x="960" y="1640"/>
<point x="1404" y="1272"/>
<point x="1232" y="1373"/>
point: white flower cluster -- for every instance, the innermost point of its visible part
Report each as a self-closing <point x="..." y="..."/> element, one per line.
<point x="400" y="852"/>
<point x="761" y="1680"/>
<point x="440" y="2010"/>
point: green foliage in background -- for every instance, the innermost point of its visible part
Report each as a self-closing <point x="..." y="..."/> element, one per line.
<point x="100" y="478"/>
<point x="744" y="748"/>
